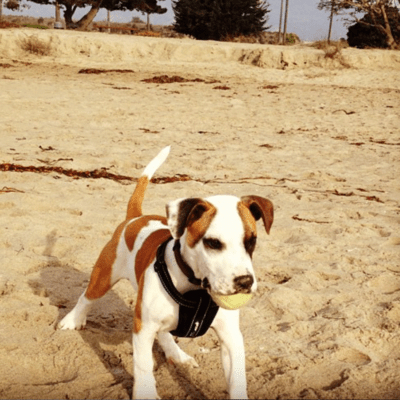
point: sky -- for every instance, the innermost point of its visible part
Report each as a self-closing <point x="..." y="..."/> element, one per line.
<point x="304" y="18"/>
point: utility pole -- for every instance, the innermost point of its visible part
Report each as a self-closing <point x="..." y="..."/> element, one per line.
<point x="280" y="24"/>
<point x="285" y="28"/>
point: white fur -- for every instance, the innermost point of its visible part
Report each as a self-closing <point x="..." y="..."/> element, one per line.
<point x="156" y="162"/>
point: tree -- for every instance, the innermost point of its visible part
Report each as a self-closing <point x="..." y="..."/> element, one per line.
<point x="70" y="6"/>
<point x="220" y="19"/>
<point x="334" y="9"/>
<point x="366" y="34"/>
<point x="378" y="11"/>
<point x="14" y="5"/>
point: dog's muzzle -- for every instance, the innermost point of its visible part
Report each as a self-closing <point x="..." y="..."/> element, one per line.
<point x="243" y="284"/>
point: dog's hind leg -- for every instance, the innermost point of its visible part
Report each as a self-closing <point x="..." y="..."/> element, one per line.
<point x="173" y="352"/>
<point x="101" y="281"/>
<point x="76" y="319"/>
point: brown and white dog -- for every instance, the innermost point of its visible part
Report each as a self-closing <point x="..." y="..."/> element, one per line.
<point x="217" y="237"/>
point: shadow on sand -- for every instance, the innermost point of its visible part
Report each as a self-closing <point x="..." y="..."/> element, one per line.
<point x="109" y="323"/>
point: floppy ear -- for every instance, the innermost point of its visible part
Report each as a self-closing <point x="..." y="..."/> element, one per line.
<point x="183" y="212"/>
<point x="260" y="208"/>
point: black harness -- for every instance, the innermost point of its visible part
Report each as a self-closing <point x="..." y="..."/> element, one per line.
<point x="197" y="309"/>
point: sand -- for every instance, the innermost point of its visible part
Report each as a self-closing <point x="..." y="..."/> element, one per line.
<point x="319" y="137"/>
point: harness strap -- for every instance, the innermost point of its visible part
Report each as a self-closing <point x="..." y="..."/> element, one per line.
<point x="165" y="278"/>
<point x="197" y="310"/>
<point x="183" y="266"/>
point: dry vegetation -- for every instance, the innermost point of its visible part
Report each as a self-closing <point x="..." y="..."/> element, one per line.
<point x="36" y="46"/>
<point x="332" y="50"/>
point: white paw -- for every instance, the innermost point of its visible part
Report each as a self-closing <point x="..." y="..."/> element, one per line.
<point x="184" y="359"/>
<point x="146" y="394"/>
<point x="71" y="322"/>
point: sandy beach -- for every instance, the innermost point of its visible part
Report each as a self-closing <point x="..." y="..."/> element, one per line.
<point x="320" y="137"/>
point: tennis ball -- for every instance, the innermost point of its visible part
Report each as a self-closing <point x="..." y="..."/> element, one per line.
<point x="232" y="301"/>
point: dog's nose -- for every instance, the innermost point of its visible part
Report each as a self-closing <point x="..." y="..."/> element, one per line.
<point x="243" y="283"/>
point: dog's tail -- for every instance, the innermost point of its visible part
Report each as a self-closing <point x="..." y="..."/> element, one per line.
<point x="136" y="200"/>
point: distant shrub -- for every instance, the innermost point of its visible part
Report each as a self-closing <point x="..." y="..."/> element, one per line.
<point x="292" y="38"/>
<point x="6" y="25"/>
<point x="332" y="50"/>
<point x="35" y="46"/>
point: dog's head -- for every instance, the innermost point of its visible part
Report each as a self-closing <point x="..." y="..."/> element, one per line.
<point x="218" y="236"/>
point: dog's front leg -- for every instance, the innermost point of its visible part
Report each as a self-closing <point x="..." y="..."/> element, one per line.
<point x="144" y="386"/>
<point x="226" y="325"/>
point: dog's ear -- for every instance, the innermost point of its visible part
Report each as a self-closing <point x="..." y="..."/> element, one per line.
<point x="184" y="212"/>
<point x="260" y="208"/>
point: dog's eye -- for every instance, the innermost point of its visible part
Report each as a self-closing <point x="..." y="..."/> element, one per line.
<point x="213" y="244"/>
<point x="250" y="244"/>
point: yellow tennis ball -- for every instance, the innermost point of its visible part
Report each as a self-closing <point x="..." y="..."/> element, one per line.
<point x="232" y="301"/>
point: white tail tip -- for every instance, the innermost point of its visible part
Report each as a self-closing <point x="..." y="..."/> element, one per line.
<point x="156" y="162"/>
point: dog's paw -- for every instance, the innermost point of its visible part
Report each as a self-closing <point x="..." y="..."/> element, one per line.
<point x="146" y="393"/>
<point x="70" y="322"/>
<point x="183" y="359"/>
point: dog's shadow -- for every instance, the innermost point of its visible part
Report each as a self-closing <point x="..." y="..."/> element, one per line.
<point x="109" y="323"/>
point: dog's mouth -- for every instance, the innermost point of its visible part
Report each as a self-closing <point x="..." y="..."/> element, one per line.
<point x="241" y="285"/>
<point x="205" y="284"/>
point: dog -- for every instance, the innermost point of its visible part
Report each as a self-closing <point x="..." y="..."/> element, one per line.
<point x="207" y="247"/>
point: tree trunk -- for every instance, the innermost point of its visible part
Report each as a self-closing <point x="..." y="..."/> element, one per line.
<point x="86" y="20"/>
<point x="58" y="18"/>
<point x="68" y="13"/>
<point x="330" y="23"/>
<point x="1" y="9"/>
<point x="389" y="37"/>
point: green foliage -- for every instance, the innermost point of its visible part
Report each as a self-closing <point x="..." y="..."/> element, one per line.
<point x="70" y="6"/>
<point x="291" y="38"/>
<point x="36" y="26"/>
<point x="368" y="32"/>
<point x="218" y="19"/>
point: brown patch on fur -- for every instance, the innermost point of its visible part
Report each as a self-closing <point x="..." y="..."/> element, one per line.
<point x="144" y="257"/>
<point x="100" y="280"/>
<point x="136" y="200"/>
<point x="249" y="225"/>
<point x="249" y="222"/>
<point x="137" y="321"/>
<point x="260" y="208"/>
<point x="198" y="221"/>
<point x="133" y="229"/>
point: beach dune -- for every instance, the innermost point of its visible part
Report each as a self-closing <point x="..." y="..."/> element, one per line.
<point x="318" y="136"/>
